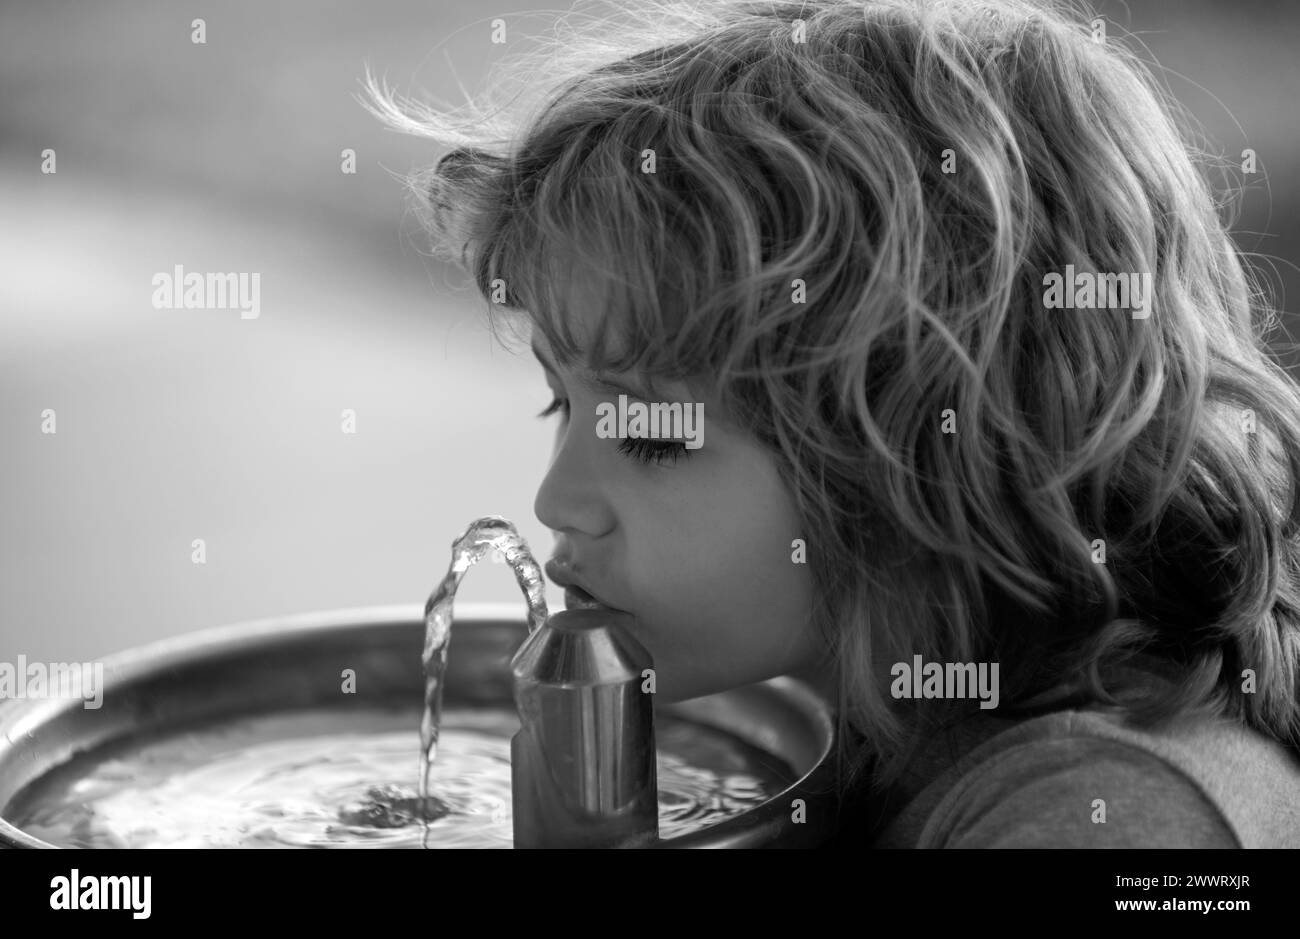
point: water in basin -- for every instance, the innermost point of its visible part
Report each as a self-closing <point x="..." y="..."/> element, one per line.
<point x="343" y="779"/>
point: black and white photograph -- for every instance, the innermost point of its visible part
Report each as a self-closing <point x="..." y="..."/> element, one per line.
<point x="845" y="426"/>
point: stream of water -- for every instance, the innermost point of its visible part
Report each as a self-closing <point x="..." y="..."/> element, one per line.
<point x="328" y="779"/>
<point x="491" y="533"/>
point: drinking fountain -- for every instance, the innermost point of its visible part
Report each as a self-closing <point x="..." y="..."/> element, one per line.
<point x="291" y="664"/>
<point x="583" y="762"/>
<point x="559" y="712"/>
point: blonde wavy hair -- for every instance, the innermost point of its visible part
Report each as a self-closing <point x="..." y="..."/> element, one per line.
<point x="1174" y="439"/>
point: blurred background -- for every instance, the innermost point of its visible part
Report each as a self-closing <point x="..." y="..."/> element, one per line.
<point x="175" y="425"/>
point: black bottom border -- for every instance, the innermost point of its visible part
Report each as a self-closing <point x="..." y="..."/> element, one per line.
<point x="332" y="888"/>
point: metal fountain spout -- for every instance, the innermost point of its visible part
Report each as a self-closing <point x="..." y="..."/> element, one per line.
<point x="583" y="771"/>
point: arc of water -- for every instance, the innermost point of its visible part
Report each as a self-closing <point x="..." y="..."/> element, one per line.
<point x="490" y="533"/>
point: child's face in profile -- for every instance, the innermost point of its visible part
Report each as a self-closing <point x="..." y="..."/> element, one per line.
<point x="698" y="550"/>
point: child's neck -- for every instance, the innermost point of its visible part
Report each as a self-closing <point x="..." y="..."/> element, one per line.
<point x="821" y="679"/>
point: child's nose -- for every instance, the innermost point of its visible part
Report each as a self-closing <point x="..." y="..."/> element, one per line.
<point x="570" y="497"/>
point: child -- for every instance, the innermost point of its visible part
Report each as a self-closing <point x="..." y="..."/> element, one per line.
<point x="991" y="449"/>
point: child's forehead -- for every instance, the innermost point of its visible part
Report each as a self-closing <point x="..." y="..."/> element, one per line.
<point x="583" y="322"/>
<point x="568" y="338"/>
<point x="609" y="380"/>
<point x="589" y="321"/>
<point x="585" y="303"/>
<point x="590" y="369"/>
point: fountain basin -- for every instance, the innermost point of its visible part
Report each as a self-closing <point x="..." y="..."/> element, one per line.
<point x="292" y="664"/>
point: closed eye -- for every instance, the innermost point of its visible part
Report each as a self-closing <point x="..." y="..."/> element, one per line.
<point x="559" y="404"/>
<point x="653" y="451"/>
<point x="641" y="449"/>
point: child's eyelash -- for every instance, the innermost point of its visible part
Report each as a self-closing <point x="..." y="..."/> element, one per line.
<point x="639" y="448"/>
<point x="554" y="406"/>
<point x="657" y="451"/>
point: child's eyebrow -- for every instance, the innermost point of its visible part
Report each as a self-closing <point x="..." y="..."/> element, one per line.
<point x="594" y="380"/>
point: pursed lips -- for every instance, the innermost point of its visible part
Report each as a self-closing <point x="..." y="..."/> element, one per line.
<point x="576" y="594"/>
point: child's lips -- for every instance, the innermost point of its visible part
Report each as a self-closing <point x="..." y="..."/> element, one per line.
<point x="575" y="598"/>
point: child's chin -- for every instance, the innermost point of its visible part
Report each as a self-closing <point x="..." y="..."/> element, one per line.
<point x="669" y="691"/>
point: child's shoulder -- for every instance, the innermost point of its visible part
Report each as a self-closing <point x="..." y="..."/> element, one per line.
<point x="1086" y="779"/>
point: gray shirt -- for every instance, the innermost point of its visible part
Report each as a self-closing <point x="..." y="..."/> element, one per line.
<point x="1079" y="778"/>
